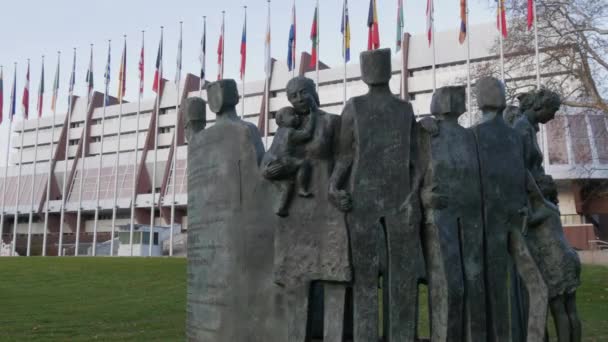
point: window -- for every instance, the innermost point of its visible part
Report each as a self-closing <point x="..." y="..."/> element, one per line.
<point x="162" y="130"/>
<point x="74" y="142"/>
<point x="96" y="121"/>
<point x="75" y="124"/>
<point x="412" y="97"/>
<point x="96" y="139"/>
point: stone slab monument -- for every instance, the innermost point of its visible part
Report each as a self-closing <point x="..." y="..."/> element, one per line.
<point x="231" y="293"/>
<point x="327" y="235"/>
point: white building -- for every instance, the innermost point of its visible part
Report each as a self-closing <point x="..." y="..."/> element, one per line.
<point x="576" y="145"/>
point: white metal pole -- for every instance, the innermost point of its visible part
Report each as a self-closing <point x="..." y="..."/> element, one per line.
<point x="345" y="28"/>
<point x="318" y="43"/>
<point x="84" y="143"/>
<point x="434" y="48"/>
<point x="175" y="145"/>
<point x="243" y="78"/>
<point x="50" y="172"/>
<point x="469" y="89"/>
<point x="153" y="201"/>
<point x="536" y="46"/>
<point x="403" y="67"/>
<point x="100" y="164"/>
<point x="117" y="154"/>
<point x="135" y="163"/>
<point x="8" y="151"/>
<point x="18" y="195"/>
<point x="295" y="41"/>
<point x="65" y="170"/>
<point x="31" y="216"/>
<point x="267" y="88"/>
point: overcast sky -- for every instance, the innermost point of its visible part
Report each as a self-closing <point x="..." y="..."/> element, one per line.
<point x="30" y="29"/>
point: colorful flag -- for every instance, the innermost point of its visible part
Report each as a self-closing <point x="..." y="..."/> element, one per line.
<point x="1" y="93"/>
<point x="430" y="18"/>
<point x="314" y="37"/>
<point x="462" y="36"/>
<point x="140" y="68"/>
<point x="267" y="52"/>
<point x="122" y="73"/>
<point x="25" y="99"/>
<point x="501" y="18"/>
<point x="41" y="90"/>
<point x="291" y="50"/>
<point x="244" y="47"/>
<point x="220" y="54"/>
<point x="345" y="29"/>
<point x="89" y="78"/>
<point x="73" y="75"/>
<point x="55" y="86"/>
<point x="530" y="14"/>
<point x="373" y="37"/>
<point x="107" y="74"/>
<point x="13" y="105"/>
<point x="159" y="62"/>
<point x="203" y="54"/>
<point x="400" y="25"/>
<point x="178" y="67"/>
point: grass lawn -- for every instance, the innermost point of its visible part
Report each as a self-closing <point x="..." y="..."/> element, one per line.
<point x="122" y="299"/>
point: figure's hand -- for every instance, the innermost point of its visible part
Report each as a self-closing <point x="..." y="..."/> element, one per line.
<point x="342" y="200"/>
<point x="431" y="198"/>
<point x="429" y="125"/>
<point x="274" y="170"/>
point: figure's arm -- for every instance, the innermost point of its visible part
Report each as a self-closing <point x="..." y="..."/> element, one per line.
<point x="305" y="133"/>
<point x="272" y="166"/>
<point x="344" y="153"/>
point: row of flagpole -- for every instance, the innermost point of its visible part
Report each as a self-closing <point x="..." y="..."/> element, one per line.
<point x="373" y="42"/>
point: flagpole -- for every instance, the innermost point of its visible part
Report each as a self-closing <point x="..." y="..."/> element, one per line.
<point x="82" y="153"/>
<point x="295" y="40"/>
<point x="31" y="217"/>
<point x="50" y="173"/>
<point x="16" y="217"/>
<point x="204" y="57"/>
<point x="135" y="163"/>
<point x="434" y="48"/>
<point x="536" y="47"/>
<point x="403" y="68"/>
<point x="122" y="75"/>
<point x="345" y="29"/>
<point x="158" y="95"/>
<point x="502" y="55"/>
<point x="267" y="87"/>
<point x="66" y="158"/>
<point x="8" y="150"/>
<point x="244" y="69"/>
<point x="100" y="164"/>
<point x="175" y="142"/>
<point x="318" y="43"/>
<point x="469" y="88"/>
<point x="5" y="170"/>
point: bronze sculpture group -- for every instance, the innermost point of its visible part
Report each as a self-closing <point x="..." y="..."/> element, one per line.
<point x="329" y="233"/>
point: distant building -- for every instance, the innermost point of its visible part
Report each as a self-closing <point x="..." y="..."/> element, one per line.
<point x="574" y="145"/>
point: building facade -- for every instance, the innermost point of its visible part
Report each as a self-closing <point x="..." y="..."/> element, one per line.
<point x="574" y="146"/>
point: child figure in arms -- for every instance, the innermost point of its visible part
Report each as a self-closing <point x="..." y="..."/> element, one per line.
<point x="289" y="135"/>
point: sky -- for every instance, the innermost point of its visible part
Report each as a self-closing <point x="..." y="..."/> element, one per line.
<point x="30" y="29"/>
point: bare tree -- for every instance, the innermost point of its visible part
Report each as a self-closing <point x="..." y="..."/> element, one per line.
<point x="573" y="41"/>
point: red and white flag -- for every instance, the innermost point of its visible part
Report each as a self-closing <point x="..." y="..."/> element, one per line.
<point x="430" y="9"/>
<point x="220" y="54"/>
<point x="159" y="63"/>
<point x="140" y="68"/>
<point x="530" y="14"/>
<point x="25" y="100"/>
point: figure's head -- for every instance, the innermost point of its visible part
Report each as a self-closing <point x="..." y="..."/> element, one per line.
<point x="449" y="102"/>
<point x="286" y="117"/>
<point x="302" y="94"/>
<point x="195" y="112"/>
<point x="546" y="104"/>
<point x="376" y="66"/>
<point x="491" y="94"/>
<point x="222" y="95"/>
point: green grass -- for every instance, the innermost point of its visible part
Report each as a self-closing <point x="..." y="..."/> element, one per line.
<point x="120" y="299"/>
